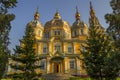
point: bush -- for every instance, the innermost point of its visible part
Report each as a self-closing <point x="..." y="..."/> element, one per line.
<point x="77" y="78"/>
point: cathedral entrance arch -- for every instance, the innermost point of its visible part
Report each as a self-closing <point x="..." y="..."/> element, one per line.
<point x="57" y="61"/>
<point x="57" y="67"/>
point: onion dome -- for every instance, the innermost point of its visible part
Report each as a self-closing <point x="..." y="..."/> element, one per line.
<point x="57" y="15"/>
<point x="79" y="27"/>
<point x="78" y="23"/>
<point x="36" y="22"/>
<point x="77" y="15"/>
<point x="36" y="15"/>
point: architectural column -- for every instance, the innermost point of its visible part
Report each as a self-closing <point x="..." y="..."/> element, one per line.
<point x="48" y="65"/>
<point x="66" y="64"/>
<point x="74" y="47"/>
<point x="65" y="47"/>
<point x="78" y="65"/>
<point x="38" y="49"/>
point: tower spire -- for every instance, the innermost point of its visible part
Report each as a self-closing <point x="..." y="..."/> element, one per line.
<point x="57" y="15"/>
<point x="93" y="20"/>
<point x="92" y="12"/>
<point x="36" y="15"/>
<point x="77" y="15"/>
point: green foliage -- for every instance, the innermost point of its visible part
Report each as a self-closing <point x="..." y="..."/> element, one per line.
<point x="98" y="49"/>
<point x="5" y="26"/>
<point x="25" y="56"/>
<point x="113" y="19"/>
<point x="78" y="78"/>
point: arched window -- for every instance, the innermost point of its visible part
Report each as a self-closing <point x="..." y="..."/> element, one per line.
<point x="81" y="31"/>
<point x="57" y="47"/>
<point x="57" y="33"/>
<point x="74" y="33"/>
<point x="69" y="48"/>
<point x="45" y="49"/>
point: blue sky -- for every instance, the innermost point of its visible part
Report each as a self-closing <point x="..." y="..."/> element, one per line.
<point x="25" y="10"/>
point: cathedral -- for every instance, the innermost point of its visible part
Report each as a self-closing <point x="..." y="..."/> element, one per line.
<point x="59" y="44"/>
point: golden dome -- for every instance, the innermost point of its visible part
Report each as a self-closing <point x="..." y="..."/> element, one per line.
<point x="36" y="15"/>
<point x="57" y="15"/>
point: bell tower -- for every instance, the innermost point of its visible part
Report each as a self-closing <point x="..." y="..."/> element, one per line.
<point x="79" y="28"/>
<point x="38" y="28"/>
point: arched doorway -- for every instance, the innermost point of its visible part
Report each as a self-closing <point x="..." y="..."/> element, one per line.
<point x="57" y="61"/>
<point x="57" y="67"/>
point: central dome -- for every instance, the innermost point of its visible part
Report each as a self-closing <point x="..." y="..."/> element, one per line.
<point x="57" y="22"/>
<point x="58" y="25"/>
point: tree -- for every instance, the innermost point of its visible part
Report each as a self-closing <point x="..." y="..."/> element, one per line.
<point x="5" y="26"/>
<point x="25" y="56"/>
<point x="113" y="19"/>
<point x="98" y="48"/>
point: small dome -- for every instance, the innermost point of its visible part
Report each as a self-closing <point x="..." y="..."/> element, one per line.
<point x="57" y="15"/>
<point x="77" y="15"/>
<point x="78" y="24"/>
<point x="35" y="23"/>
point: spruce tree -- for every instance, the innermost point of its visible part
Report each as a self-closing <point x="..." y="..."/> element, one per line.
<point x="25" y="56"/>
<point x="5" y="27"/>
<point x="113" y="19"/>
<point x="97" y="48"/>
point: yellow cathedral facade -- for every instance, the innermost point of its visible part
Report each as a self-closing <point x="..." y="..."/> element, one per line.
<point x="59" y="44"/>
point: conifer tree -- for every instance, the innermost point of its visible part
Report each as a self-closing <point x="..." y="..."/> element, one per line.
<point x="97" y="48"/>
<point x="113" y="19"/>
<point x="5" y="26"/>
<point x="25" y="56"/>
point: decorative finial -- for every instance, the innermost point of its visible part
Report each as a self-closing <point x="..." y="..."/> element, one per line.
<point x="92" y="12"/>
<point x="57" y="15"/>
<point x="77" y="14"/>
<point x="36" y="15"/>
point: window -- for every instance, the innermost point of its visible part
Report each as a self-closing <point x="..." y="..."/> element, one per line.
<point x="56" y="32"/>
<point x="69" y="49"/>
<point x="72" y="64"/>
<point x="43" y="64"/>
<point x="81" y="31"/>
<point x="57" y="47"/>
<point x="75" y="33"/>
<point x="83" y="48"/>
<point x="45" y="48"/>
<point x="47" y="35"/>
